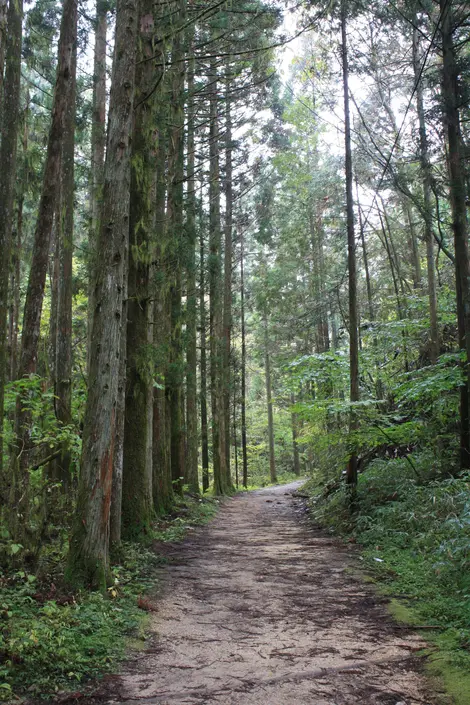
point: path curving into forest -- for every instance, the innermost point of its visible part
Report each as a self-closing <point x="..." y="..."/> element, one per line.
<point x="259" y="608"/>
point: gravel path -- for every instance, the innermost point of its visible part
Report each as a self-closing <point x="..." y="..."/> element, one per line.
<point x="258" y="607"/>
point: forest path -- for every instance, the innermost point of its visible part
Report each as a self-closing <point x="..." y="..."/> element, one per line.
<point x="258" y="607"/>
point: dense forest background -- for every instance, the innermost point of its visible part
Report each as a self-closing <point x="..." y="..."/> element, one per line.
<point x="222" y="267"/>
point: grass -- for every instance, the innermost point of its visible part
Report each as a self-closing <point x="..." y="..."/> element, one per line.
<point x="414" y="531"/>
<point x="52" y="640"/>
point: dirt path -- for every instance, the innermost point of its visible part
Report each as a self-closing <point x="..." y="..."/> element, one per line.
<point x="259" y="608"/>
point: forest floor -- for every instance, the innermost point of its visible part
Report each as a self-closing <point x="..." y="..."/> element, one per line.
<point x="259" y="607"/>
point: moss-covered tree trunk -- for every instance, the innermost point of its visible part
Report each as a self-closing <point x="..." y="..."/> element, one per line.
<point x="457" y="188"/>
<point x="191" y="466"/>
<point x="228" y="257"/>
<point x="221" y="486"/>
<point x="243" y="361"/>
<point x="88" y="560"/>
<point x="8" y="161"/>
<point x="64" y="93"/>
<point x="203" y="365"/>
<point x="63" y="377"/>
<point x="137" y="475"/>
<point x="161" y="448"/>
<point x="175" y="244"/>
<point x="351" y="472"/>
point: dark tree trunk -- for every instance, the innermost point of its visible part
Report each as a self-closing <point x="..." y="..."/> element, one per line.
<point x="8" y="159"/>
<point x="295" y="433"/>
<point x="351" y="473"/>
<point x="203" y="367"/>
<point x="227" y="302"/>
<point x="88" y="561"/>
<point x="221" y="484"/>
<point x="137" y="475"/>
<point x="428" y="214"/>
<point x="456" y="165"/>
<point x="161" y="454"/>
<point x="269" y="400"/>
<point x="191" y="468"/>
<point x="63" y="378"/>
<point x="98" y="144"/>
<point x="175" y="242"/>
<point x="243" y="361"/>
<point x="63" y="93"/>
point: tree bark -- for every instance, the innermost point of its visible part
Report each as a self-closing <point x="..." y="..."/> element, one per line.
<point x="228" y="256"/>
<point x="191" y="467"/>
<point x="457" y="190"/>
<point x="428" y="214"/>
<point x="175" y="242"/>
<point x="203" y="367"/>
<point x="351" y="472"/>
<point x="243" y="360"/>
<point x="137" y="475"/>
<point x="88" y="560"/>
<point x="221" y="485"/>
<point x="40" y="257"/>
<point x="8" y="162"/>
<point x="98" y="144"/>
<point x="63" y="378"/>
<point x="269" y="399"/>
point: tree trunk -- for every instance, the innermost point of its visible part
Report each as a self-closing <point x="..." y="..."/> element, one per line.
<point x="98" y="144"/>
<point x="203" y="367"/>
<point x="161" y="454"/>
<point x="227" y="303"/>
<point x="428" y="214"/>
<point x="221" y="486"/>
<point x="295" y="433"/>
<point x="63" y="388"/>
<point x="456" y="165"/>
<point x="137" y="475"/>
<point x="243" y="361"/>
<point x="8" y="159"/>
<point x="351" y="473"/>
<point x="175" y="242"/>
<point x="40" y="258"/>
<point x="88" y="561"/>
<point x="3" y="42"/>
<point x="191" y="468"/>
<point x="269" y="399"/>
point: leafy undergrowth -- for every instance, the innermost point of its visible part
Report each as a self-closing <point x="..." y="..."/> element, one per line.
<point x="52" y="640"/>
<point x="414" y="529"/>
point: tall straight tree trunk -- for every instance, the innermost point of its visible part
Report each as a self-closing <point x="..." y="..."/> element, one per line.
<point x="426" y="178"/>
<point x="228" y="256"/>
<point x="88" y="560"/>
<point x="203" y="366"/>
<point x="63" y="390"/>
<point x="98" y="143"/>
<point x="161" y="443"/>
<point x="40" y="257"/>
<point x="351" y="473"/>
<point x="8" y="158"/>
<point x="269" y="399"/>
<point x="175" y="234"/>
<point x="456" y="165"/>
<point x="3" y="41"/>
<point x="137" y="475"/>
<point x="191" y="466"/>
<point x="295" y="434"/>
<point x="243" y="360"/>
<point x="221" y="486"/>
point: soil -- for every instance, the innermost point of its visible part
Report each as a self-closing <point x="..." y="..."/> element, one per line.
<point x="260" y="608"/>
